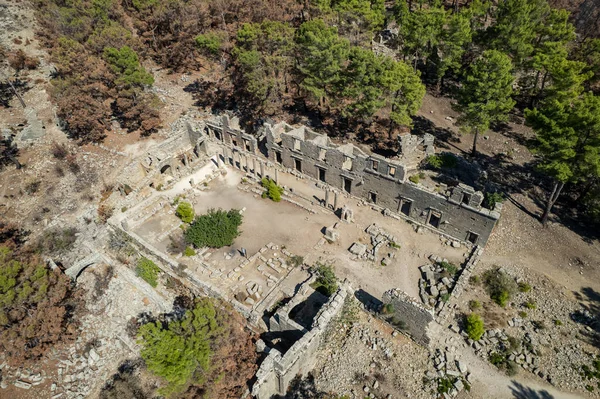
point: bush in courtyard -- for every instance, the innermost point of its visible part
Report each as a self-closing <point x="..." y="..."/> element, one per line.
<point x="185" y="212"/>
<point x="491" y="199"/>
<point x="148" y="271"/>
<point x="273" y="190"/>
<point x="449" y="267"/>
<point x="524" y="287"/>
<point x="442" y="161"/>
<point x="474" y="326"/>
<point x="500" y="286"/>
<point x="216" y="229"/>
<point x="326" y="282"/>
<point x="189" y="251"/>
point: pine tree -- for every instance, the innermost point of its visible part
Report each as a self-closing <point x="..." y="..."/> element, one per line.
<point x="485" y="95"/>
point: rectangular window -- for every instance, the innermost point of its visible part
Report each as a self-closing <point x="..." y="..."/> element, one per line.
<point x="321" y="174"/>
<point x="472" y="237"/>
<point x="392" y="171"/>
<point x="247" y="143"/>
<point x="298" y="164"/>
<point x="278" y="157"/>
<point x="297" y="144"/>
<point x="374" y="165"/>
<point x="322" y="152"/>
<point x="405" y="206"/>
<point x="373" y="197"/>
<point x="347" y="185"/>
<point x="233" y="141"/>
<point x="347" y="165"/>
<point x="466" y="198"/>
<point x="434" y="219"/>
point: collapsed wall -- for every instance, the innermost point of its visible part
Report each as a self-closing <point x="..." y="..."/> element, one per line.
<point x="413" y="316"/>
<point x="279" y="369"/>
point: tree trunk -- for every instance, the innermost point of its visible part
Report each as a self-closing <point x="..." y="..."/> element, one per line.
<point x="474" y="149"/>
<point x="558" y="186"/>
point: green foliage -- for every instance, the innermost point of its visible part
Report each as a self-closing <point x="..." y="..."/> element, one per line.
<point x="148" y="271"/>
<point x="522" y="314"/>
<point x="180" y="351"/>
<point x="273" y="190"/>
<point x="216" y="229"/>
<point x="491" y="199"/>
<point x="442" y="161"/>
<point x="474" y="305"/>
<point x="321" y="54"/>
<point x="210" y="42"/>
<point x="326" y="282"/>
<point x="414" y="178"/>
<point x="474" y="326"/>
<point x="185" y="212"/>
<point x="557" y="322"/>
<point x="524" y="287"/>
<point x="485" y="95"/>
<point x="296" y="260"/>
<point x="445" y="297"/>
<point x="20" y="283"/>
<point x="449" y="267"/>
<point x="189" y="251"/>
<point x="125" y="63"/>
<point x="388" y="308"/>
<point x="500" y="286"/>
<point x="474" y="280"/>
<point x="57" y="241"/>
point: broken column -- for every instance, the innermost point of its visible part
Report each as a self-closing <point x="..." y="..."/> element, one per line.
<point x="262" y="169"/>
<point x="254" y="166"/>
<point x="276" y="176"/>
<point x="326" y="198"/>
<point x="335" y="200"/>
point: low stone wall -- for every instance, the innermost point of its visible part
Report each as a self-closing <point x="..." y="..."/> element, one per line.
<point x="277" y="370"/>
<point x="415" y="316"/>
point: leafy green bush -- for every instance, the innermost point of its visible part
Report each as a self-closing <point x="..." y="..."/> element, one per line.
<point x="500" y="286"/>
<point x="209" y="42"/>
<point x="388" y="308"/>
<point x="474" y="305"/>
<point x="414" y="178"/>
<point x="522" y="314"/>
<point x="216" y="229"/>
<point x="125" y="63"/>
<point x="491" y="199"/>
<point x="326" y="282"/>
<point x="189" y="251"/>
<point x="474" y="280"/>
<point x="273" y="190"/>
<point x="530" y="304"/>
<point x="449" y="267"/>
<point x="442" y="161"/>
<point x="558" y="322"/>
<point x="474" y="326"/>
<point x="524" y="287"/>
<point x="296" y="260"/>
<point x="445" y="297"/>
<point x="185" y="212"/>
<point x="148" y="271"/>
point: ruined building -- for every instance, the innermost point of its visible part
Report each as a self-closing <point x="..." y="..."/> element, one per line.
<point x="457" y="212"/>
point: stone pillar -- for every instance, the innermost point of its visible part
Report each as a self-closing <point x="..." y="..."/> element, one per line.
<point x="335" y="200"/>
<point x="254" y="166"/>
<point x="262" y="169"/>
<point x="221" y="162"/>
<point x="246" y="163"/>
<point x="186" y="161"/>
<point x="326" y="198"/>
<point x="276" y="176"/>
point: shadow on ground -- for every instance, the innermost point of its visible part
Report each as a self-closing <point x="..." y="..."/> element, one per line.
<point x="520" y="391"/>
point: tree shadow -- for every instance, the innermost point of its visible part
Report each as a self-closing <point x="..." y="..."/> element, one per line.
<point x="520" y="391"/>
<point x="507" y="131"/>
<point x="587" y="316"/>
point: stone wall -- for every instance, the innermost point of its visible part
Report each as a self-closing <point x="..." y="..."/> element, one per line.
<point x="278" y="370"/>
<point x="414" y="315"/>
<point x="457" y="212"/>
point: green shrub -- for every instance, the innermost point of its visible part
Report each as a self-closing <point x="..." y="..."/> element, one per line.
<point x="449" y="267"/>
<point x="414" y="178"/>
<point x="474" y="305"/>
<point x="500" y="286"/>
<point x="388" y="308"/>
<point x="185" y="212"/>
<point x="474" y="280"/>
<point x="474" y="326"/>
<point x="530" y="304"/>
<point x="296" y="260"/>
<point x="442" y="161"/>
<point x="497" y="359"/>
<point x="445" y="297"/>
<point x="273" y="190"/>
<point x="394" y="245"/>
<point x="558" y="322"/>
<point x="216" y="229"/>
<point x="209" y="42"/>
<point x="326" y="282"/>
<point x="148" y="271"/>
<point x="522" y="314"/>
<point x="524" y="287"/>
<point x="189" y="251"/>
<point x="491" y="199"/>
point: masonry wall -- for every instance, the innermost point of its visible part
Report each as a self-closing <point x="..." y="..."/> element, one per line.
<point x="373" y="177"/>
<point x="415" y="316"/>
